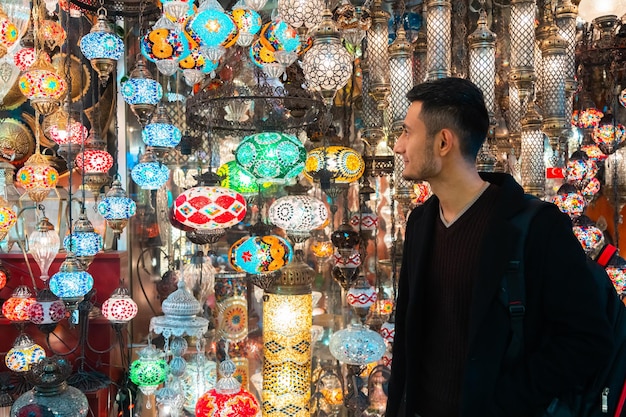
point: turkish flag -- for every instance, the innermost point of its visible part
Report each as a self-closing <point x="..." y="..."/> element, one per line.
<point x="554" y="172"/>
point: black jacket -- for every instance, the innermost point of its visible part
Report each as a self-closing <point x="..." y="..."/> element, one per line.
<point x="566" y="335"/>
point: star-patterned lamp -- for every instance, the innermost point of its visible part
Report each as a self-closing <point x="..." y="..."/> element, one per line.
<point x="102" y="47"/>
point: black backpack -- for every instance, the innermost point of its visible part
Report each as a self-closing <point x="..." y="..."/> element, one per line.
<point x="606" y="394"/>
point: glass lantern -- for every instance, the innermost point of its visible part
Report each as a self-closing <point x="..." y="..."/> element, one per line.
<point x="260" y="254"/>
<point x="23" y="354"/>
<point x="102" y="47"/>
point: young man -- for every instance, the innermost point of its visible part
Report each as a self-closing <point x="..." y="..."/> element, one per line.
<point x="452" y="330"/>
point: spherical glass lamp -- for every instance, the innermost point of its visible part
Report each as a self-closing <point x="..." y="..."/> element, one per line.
<point x="357" y="345"/>
<point x="47" y="310"/>
<point x="271" y="156"/>
<point x="94" y="161"/>
<point x="298" y="215"/>
<point x="589" y="10"/>
<point x="228" y="398"/>
<point x="16" y="309"/>
<point x="212" y="28"/>
<point x="301" y="13"/>
<point x="62" y="134"/>
<point x="43" y="86"/>
<point x="37" y="177"/>
<point x="149" y="173"/>
<point x="4" y="277"/>
<point x="83" y="242"/>
<point x="71" y="283"/>
<point x="591" y="238"/>
<point x="161" y="134"/>
<point x="209" y="207"/>
<point x="43" y="245"/>
<point x="24" y="353"/>
<point x="51" y="395"/>
<point x="248" y="24"/>
<point x="149" y="371"/>
<point x="102" y="47"/>
<point x="260" y="254"/>
<point x="344" y="165"/>
<point x="120" y="307"/>
<point x="609" y="136"/>
<point x="8" y="33"/>
<point x="327" y="65"/>
<point x="24" y="58"/>
<point x="8" y="217"/>
<point x="141" y="91"/>
<point x="196" y="66"/>
<point x="238" y="179"/>
<point x="165" y="45"/>
<point x="116" y="207"/>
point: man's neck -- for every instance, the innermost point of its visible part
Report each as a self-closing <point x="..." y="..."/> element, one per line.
<point x="457" y="192"/>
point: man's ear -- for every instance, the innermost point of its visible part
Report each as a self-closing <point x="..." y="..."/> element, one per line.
<point x="447" y="139"/>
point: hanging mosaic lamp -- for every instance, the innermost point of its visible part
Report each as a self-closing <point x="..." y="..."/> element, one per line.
<point x="248" y="24"/>
<point x="213" y="29"/>
<point x="116" y="207"/>
<point x="228" y="397"/>
<point x="361" y="296"/>
<point x="352" y="21"/>
<point x="120" y="308"/>
<point x="343" y="164"/>
<point x="8" y="217"/>
<point x="94" y="165"/>
<point x="71" y="283"/>
<point x="4" y="276"/>
<point x="149" y="173"/>
<point x="25" y="58"/>
<point x="102" y="47"/>
<point x="178" y="9"/>
<point x="47" y="310"/>
<point x="8" y="33"/>
<point x="238" y="179"/>
<point x="196" y="66"/>
<point x="357" y="345"/>
<point x="84" y="242"/>
<point x="609" y="136"/>
<point x="327" y="65"/>
<point x="141" y="91"/>
<point x="165" y="45"/>
<point x="43" y="245"/>
<point x="24" y="353"/>
<point x="298" y="215"/>
<point x="283" y="42"/>
<point x="52" y="33"/>
<point x="161" y="135"/>
<point x="208" y="207"/>
<point x="304" y="14"/>
<point x="51" y="395"/>
<point x="37" y="177"/>
<point x="260" y="254"/>
<point x="149" y="371"/>
<point x="65" y="130"/>
<point x="43" y="86"/>
<point x="271" y="156"/>
<point x="17" y="307"/>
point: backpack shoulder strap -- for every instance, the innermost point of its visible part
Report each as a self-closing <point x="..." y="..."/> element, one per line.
<point x="513" y="294"/>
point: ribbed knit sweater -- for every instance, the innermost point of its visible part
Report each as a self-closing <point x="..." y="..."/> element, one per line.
<point x="450" y="282"/>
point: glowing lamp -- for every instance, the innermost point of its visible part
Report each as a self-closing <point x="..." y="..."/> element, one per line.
<point x="590" y="10"/>
<point x="277" y="35"/>
<point x="298" y="215"/>
<point x="271" y="156"/>
<point x="212" y="29"/>
<point x="120" y="307"/>
<point x="42" y="86"/>
<point x="301" y="13"/>
<point x="16" y="308"/>
<point x="260" y="254"/>
<point x="590" y="237"/>
<point x="8" y="217"/>
<point x="228" y="397"/>
<point x="161" y="134"/>
<point x="588" y="118"/>
<point x="4" y="277"/>
<point x="344" y="165"/>
<point x="149" y="173"/>
<point x="617" y="273"/>
<point x="43" y="245"/>
<point x="83" y="242"/>
<point x="8" y="33"/>
<point x="72" y="282"/>
<point x="238" y="179"/>
<point x="248" y="24"/>
<point x="199" y="377"/>
<point x="165" y="45"/>
<point x="208" y="208"/>
<point x="94" y="161"/>
<point x="52" y="33"/>
<point x="362" y="295"/>
<point x="321" y="246"/>
<point x="149" y="371"/>
<point x="24" y="353"/>
<point x="357" y="345"/>
<point x="47" y="309"/>
<point x="62" y="134"/>
<point x="37" y="177"/>
<point x="609" y="137"/>
<point x="141" y="91"/>
<point x="388" y="331"/>
<point x="24" y="58"/>
<point x="102" y="47"/>
<point x="116" y="207"/>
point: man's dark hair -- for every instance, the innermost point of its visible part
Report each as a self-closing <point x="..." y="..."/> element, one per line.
<point x="456" y="104"/>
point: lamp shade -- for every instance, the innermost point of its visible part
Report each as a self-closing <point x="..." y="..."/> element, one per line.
<point x="102" y="47"/>
<point x="609" y="136"/>
<point x="165" y="45"/>
<point x="298" y="213"/>
<point x="93" y="161"/>
<point x="17" y="307"/>
<point x="24" y="58"/>
<point x="23" y="354"/>
<point x="37" y="177"/>
<point x="248" y="24"/>
<point x="301" y="13"/>
<point x="8" y="33"/>
<point x="116" y="204"/>
<point x="47" y="308"/>
<point x="83" y="243"/>
<point x="238" y="179"/>
<point x="588" y="10"/>
<point x="161" y="132"/>
<point x="43" y="245"/>
<point x="209" y="207"/>
<point x="149" y="173"/>
<point x="42" y="86"/>
<point x="271" y="156"/>
<point x="149" y="371"/>
<point x="345" y="164"/>
<point x="63" y="134"/>
<point x="357" y="345"/>
<point x="212" y="29"/>
<point x="120" y="307"/>
<point x="260" y="254"/>
<point x="71" y="283"/>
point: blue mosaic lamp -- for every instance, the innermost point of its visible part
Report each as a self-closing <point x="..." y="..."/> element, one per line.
<point x="116" y="207"/>
<point x="195" y="66"/>
<point x="84" y="242"/>
<point x="149" y="173"/>
<point x="161" y="134"/>
<point x="141" y="91"/>
<point x="102" y="47"/>
<point x="213" y="29"/>
<point x="71" y="283"/>
<point x="248" y="23"/>
<point x="271" y="156"/>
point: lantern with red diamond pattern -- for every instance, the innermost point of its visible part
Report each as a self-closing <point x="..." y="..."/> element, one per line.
<point x="209" y="207"/>
<point x="119" y="308"/>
